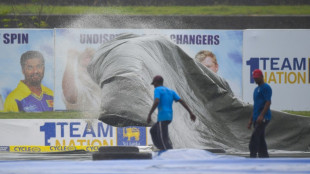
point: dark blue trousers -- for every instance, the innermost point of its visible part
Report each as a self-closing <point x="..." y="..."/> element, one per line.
<point x="258" y="143"/>
<point x="160" y="136"/>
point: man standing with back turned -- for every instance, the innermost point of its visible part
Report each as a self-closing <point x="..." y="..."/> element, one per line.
<point x="260" y="117"/>
<point x="163" y="99"/>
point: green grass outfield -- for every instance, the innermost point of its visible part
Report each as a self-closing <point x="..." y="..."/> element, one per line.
<point x="79" y="115"/>
<point x="155" y="10"/>
<point x="303" y="113"/>
<point x="42" y="115"/>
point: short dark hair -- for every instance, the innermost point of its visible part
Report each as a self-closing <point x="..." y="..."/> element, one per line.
<point x="30" y="55"/>
<point x="158" y="79"/>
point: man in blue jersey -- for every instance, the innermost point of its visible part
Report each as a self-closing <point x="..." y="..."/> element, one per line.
<point x="163" y="99"/>
<point x="260" y="117"/>
<point x="30" y="95"/>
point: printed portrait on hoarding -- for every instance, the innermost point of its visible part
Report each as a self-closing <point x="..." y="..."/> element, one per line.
<point x="27" y="70"/>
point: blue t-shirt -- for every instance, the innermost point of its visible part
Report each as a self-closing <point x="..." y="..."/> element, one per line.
<point x="166" y="97"/>
<point x="261" y="95"/>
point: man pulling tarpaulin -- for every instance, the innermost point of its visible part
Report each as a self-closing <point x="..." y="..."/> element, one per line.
<point x="124" y="67"/>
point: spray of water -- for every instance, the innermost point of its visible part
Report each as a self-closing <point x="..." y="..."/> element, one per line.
<point x="109" y="21"/>
<point x="128" y="22"/>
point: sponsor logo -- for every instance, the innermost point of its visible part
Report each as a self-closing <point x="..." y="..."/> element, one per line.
<point x="4" y="148"/>
<point x="92" y="148"/>
<point x="62" y="148"/>
<point x="131" y="136"/>
<point x="131" y="132"/>
<point x="26" y="149"/>
<point x="35" y="149"/>
<point x="281" y="70"/>
<point x="77" y="133"/>
<point x="50" y="103"/>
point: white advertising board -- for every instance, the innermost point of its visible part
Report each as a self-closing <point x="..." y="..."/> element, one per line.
<point x="69" y="132"/>
<point x="284" y="58"/>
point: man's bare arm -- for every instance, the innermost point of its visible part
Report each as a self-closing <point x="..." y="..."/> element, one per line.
<point x="192" y="116"/>
<point x="155" y="104"/>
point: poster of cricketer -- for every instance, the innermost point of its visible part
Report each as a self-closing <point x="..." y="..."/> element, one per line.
<point x="26" y="70"/>
<point x="219" y="50"/>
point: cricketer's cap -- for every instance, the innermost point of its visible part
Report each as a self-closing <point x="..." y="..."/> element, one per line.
<point x="157" y="78"/>
<point x="257" y="73"/>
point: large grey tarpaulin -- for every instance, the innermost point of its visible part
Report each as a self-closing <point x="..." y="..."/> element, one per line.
<point x="124" y="69"/>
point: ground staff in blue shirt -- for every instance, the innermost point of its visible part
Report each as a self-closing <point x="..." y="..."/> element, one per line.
<point x="163" y="99"/>
<point x="260" y="117"/>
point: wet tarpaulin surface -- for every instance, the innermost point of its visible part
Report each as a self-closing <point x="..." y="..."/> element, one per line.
<point x="172" y="161"/>
<point x="124" y="69"/>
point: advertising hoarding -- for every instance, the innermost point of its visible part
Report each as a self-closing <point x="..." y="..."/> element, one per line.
<point x="283" y="56"/>
<point x="13" y="44"/>
<point x="73" y="46"/>
<point x="69" y="133"/>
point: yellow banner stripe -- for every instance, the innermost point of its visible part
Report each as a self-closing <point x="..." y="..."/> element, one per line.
<point x="40" y="149"/>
